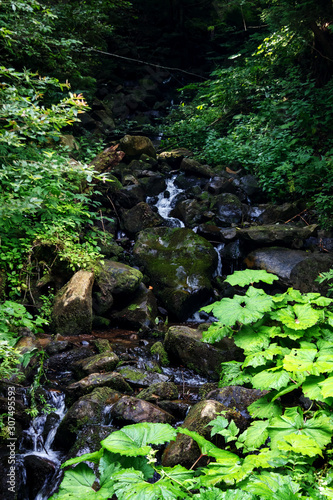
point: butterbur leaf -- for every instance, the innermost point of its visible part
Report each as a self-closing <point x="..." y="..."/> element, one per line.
<point x="273" y="378"/>
<point x="326" y="387"/>
<point x="251" y="340"/>
<point x="215" y="333"/>
<point x="77" y="483"/>
<point x="130" y="484"/>
<point x="299" y="360"/>
<point x="270" y="485"/>
<point x="134" y="440"/>
<point x="264" y="408"/>
<point x="218" y="424"/>
<point x="255" y="435"/>
<point x="299" y="444"/>
<point x="297" y="317"/>
<point x="232" y="374"/>
<point x="217" y="472"/>
<point x="250" y="276"/>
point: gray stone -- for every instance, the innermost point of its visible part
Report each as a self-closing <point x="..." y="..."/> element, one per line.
<point x="130" y="410"/>
<point x="72" y="310"/>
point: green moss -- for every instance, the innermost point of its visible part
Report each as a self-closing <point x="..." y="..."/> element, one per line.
<point x="158" y="350"/>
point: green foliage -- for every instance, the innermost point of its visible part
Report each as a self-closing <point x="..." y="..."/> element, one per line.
<point x="13" y="319"/>
<point x="266" y="114"/>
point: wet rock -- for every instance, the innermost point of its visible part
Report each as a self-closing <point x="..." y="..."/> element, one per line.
<point x="129" y="196"/>
<point x="141" y="312"/>
<point x="106" y="361"/>
<point x="89" y="440"/>
<point x="225" y="183"/>
<point x="140" y="217"/>
<point x="57" y="346"/>
<point x="158" y="351"/>
<point x="159" y="391"/>
<point x="304" y="274"/>
<point x="88" y="410"/>
<point x="180" y="265"/>
<point x="141" y="378"/>
<point x="114" y="278"/>
<point x="288" y="235"/>
<point x="114" y="380"/>
<point x="215" y="233"/>
<point x="229" y="209"/>
<point x="72" y="310"/>
<point x="39" y="469"/>
<point x="153" y="184"/>
<point x="236" y="397"/>
<point x="178" y="408"/>
<point x="174" y="157"/>
<point x="130" y="410"/>
<point x="249" y="184"/>
<point x="184" y="450"/>
<point x="108" y="159"/>
<point x="276" y="260"/>
<point x="194" y="167"/>
<point x="135" y="145"/>
<point x="191" y="212"/>
<point x="278" y="213"/>
<point x="102" y="345"/>
<point x="65" y="360"/>
<point x="185" y="345"/>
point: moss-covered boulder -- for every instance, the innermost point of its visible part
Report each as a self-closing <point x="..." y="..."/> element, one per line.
<point x="141" y="312"/>
<point x="194" y="167"/>
<point x="237" y="397"/>
<point x="141" y="378"/>
<point x="72" y="310"/>
<point x="130" y="410"/>
<point x="158" y="351"/>
<point x="184" y="450"/>
<point x="105" y="361"/>
<point x="159" y="391"/>
<point x="229" y="209"/>
<point x="114" y="278"/>
<point x="285" y="234"/>
<point x="140" y="217"/>
<point x="114" y="380"/>
<point x="180" y="265"/>
<point x="185" y="345"/>
<point x="135" y="145"/>
<point x="86" y="411"/>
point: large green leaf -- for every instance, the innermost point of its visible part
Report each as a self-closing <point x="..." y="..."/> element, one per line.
<point x="250" y="276"/>
<point x="299" y="443"/>
<point x="297" y="317"/>
<point x="300" y="360"/>
<point x="273" y="378"/>
<point x="326" y="387"/>
<point x="270" y="485"/>
<point x="244" y="309"/>
<point x="232" y="374"/>
<point x="77" y="483"/>
<point x="319" y="428"/>
<point x="251" y="340"/>
<point x="264" y="408"/>
<point x="255" y="435"/>
<point x="134" y="440"/>
<point x="130" y="484"/>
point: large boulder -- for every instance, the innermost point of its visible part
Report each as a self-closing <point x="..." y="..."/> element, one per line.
<point x="185" y="345"/>
<point x="184" y="450"/>
<point x="88" y="410"/>
<point x="285" y="234"/>
<point x="180" y="265"/>
<point x="130" y="410"/>
<point x="141" y="312"/>
<point x="140" y="217"/>
<point x="114" y="278"/>
<point x="135" y="145"/>
<point x="72" y="310"/>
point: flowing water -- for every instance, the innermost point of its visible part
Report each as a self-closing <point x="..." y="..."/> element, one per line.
<point x="166" y="202"/>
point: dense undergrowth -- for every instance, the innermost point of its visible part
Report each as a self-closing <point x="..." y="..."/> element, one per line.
<point x="266" y="114"/>
<point x="286" y="450"/>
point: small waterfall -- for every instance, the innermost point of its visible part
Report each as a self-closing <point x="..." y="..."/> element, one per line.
<point x="166" y="202"/>
<point x="218" y="249"/>
<point x="38" y="439"/>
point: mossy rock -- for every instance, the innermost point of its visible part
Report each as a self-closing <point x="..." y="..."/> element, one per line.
<point x="160" y="353"/>
<point x="105" y="361"/>
<point x="114" y="380"/>
<point x="88" y="410"/>
<point x="180" y="266"/>
<point x="130" y="410"/>
<point x="159" y="391"/>
<point x="141" y="313"/>
<point x="141" y="378"/>
<point x="72" y="310"/>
